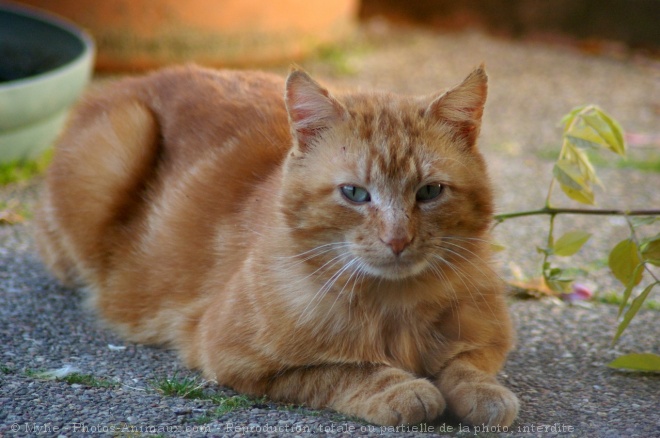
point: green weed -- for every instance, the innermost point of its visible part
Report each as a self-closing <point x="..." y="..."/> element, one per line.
<point x="186" y="387"/>
<point x="337" y="58"/>
<point x="28" y="372"/>
<point x="13" y="212"/>
<point x="87" y="380"/>
<point x="202" y="419"/>
<point x="23" y="170"/>
<point x="192" y="388"/>
<point x="229" y="404"/>
<point x="615" y="299"/>
<point x="224" y="405"/>
<point x="650" y="164"/>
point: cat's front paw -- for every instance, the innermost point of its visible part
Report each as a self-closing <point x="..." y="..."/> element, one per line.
<point x="408" y="402"/>
<point x="483" y="403"/>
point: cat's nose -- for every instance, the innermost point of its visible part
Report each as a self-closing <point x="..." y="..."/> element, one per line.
<point x="398" y="244"/>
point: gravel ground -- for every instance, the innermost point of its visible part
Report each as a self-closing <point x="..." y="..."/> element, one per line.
<point x="559" y="367"/>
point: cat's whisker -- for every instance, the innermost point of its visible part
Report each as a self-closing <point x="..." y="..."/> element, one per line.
<point x="357" y="270"/>
<point x="441" y="243"/>
<point x="362" y="274"/>
<point x="483" y="265"/>
<point x="434" y="265"/>
<point x="461" y="275"/>
<point x="323" y="268"/>
<point x="318" y="296"/>
<point x="316" y="251"/>
<point x="346" y="267"/>
<point x="457" y="269"/>
<point x="358" y="283"/>
<point x="466" y="238"/>
<point x="332" y="262"/>
<point x="467" y="241"/>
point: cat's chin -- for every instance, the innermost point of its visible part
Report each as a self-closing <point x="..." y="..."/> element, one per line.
<point x="396" y="270"/>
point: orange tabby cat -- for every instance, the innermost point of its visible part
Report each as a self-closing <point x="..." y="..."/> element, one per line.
<point x="328" y="251"/>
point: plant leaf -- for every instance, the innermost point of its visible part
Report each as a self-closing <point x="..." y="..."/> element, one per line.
<point x="570" y="243"/>
<point x="623" y="261"/>
<point x="568" y="118"/>
<point x="559" y="286"/>
<point x="637" y="362"/>
<point x="632" y="311"/>
<point x="568" y="174"/>
<point x="558" y="280"/>
<point x="638" y="221"/>
<point x="547" y="251"/>
<point x="651" y="250"/>
<point x="579" y="196"/>
<point x="585" y="133"/>
<point x="572" y="181"/>
<point x="629" y="287"/>
<point x="578" y="157"/>
<point x="581" y="142"/>
<point x="617" y="130"/>
<point x="497" y="247"/>
<point x="604" y="131"/>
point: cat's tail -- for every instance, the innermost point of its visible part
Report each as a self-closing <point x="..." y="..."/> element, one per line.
<point x="95" y="185"/>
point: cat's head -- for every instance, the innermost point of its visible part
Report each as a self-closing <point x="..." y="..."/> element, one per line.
<point x="384" y="185"/>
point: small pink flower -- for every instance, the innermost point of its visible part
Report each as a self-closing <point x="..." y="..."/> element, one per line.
<point x="580" y="293"/>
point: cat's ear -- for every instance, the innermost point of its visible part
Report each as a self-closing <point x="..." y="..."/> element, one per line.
<point x="462" y="106"/>
<point x="311" y="108"/>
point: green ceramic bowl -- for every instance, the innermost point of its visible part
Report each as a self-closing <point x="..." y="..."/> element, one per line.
<point x="45" y="63"/>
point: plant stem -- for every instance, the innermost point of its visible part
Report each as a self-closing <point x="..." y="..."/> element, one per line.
<point x="548" y="250"/>
<point x="594" y="212"/>
<point x="551" y="228"/>
<point x="549" y="195"/>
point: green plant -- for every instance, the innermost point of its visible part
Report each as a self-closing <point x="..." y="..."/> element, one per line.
<point x="224" y="405"/>
<point x="23" y="170"/>
<point x="615" y="299"/>
<point x="229" y="404"/>
<point x="186" y="387"/>
<point x="87" y="380"/>
<point x="36" y="374"/>
<point x="13" y="212"/>
<point x="69" y="374"/>
<point x="191" y="388"/>
<point x="590" y="128"/>
<point x="337" y="58"/>
<point x="202" y="419"/>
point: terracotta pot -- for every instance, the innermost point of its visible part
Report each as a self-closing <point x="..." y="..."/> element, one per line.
<point x="144" y="34"/>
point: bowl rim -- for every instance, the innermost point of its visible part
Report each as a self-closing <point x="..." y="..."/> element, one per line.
<point x="89" y="47"/>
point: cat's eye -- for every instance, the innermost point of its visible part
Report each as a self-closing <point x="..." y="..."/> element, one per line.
<point x="355" y="194"/>
<point x="428" y="192"/>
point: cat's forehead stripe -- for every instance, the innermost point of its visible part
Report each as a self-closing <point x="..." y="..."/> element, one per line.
<point x="390" y="133"/>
